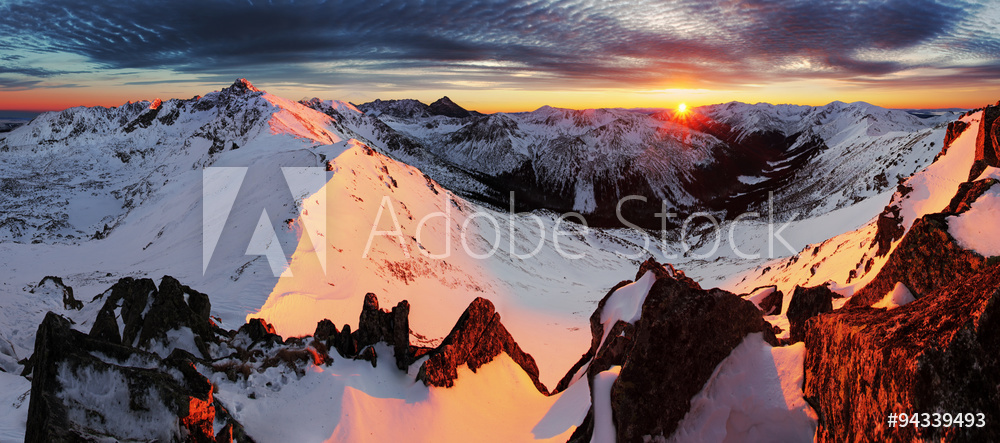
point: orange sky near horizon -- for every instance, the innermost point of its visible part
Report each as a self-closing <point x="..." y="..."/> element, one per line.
<point x="513" y="100"/>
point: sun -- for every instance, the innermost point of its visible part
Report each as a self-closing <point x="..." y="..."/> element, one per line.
<point x="682" y="108"/>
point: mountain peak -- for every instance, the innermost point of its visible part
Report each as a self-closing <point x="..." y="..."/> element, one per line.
<point x="242" y="85"/>
<point x="444" y="106"/>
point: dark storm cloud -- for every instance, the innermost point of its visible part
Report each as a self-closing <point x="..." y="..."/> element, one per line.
<point x="604" y="43"/>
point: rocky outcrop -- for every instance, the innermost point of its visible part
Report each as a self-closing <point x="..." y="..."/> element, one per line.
<point x="87" y="389"/>
<point x="955" y="129"/>
<point x="889" y="228"/>
<point x="258" y="331"/>
<point x="684" y="332"/>
<point x="771" y="304"/>
<point x="477" y="338"/>
<point x="987" y="145"/>
<point x="926" y="259"/>
<point x="967" y="193"/>
<point x="150" y="314"/>
<point x="374" y="325"/>
<point x="54" y="286"/>
<point x="392" y="327"/>
<point x="807" y="303"/>
<point x="937" y="354"/>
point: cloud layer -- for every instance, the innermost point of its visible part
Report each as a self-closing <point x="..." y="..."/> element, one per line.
<point x="529" y="44"/>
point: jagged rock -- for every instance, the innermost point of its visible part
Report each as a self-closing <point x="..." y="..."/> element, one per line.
<point x="401" y="334"/>
<point x="374" y="325"/>
<point x="259" y="331"/>
<point x="149" y="313"/>
<point x="477" y="338"/>
<point x="106" y="327"/>
<point x="56" y="286"/>
<point x="325" y="330"/>
<point x="175" y="306"/>
<point x="967" y="193"/>
<point x="665" y="270"/>
<point x="345" y="344"/>
<point x="926" y="259"/>
<point x="684" y="332"/>
<point x="85" y="389"/>
<point x="368" y="354"/>
<point x="889" y="228"/>
<point x="392" y="327"/>
<point x="131" y="296"/>
<point x="987" y="145"/>
<point x="807" y="303"/>
<point x="771" y="304"/>
<point x="955" y="129"/>
<point x="937" y="354"/>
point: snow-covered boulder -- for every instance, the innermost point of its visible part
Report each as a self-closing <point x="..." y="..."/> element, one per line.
<point x="668" y="351"/>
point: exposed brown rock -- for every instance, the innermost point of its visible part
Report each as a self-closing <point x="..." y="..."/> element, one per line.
<point x="392" y="327"/>
<point x="955" y="129"/>
<point x="477" y="338"/>
<point x="987" y="145"/>
<point x="967" y="193"/>
<point x="889" y="228"/>
<point x="926" y="259"/>
<point x="937" y="354"/>
<point x="772" y="303"/>
<point x="807" y="303"/>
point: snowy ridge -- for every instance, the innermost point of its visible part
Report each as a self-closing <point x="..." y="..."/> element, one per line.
<point x="721" y="157"/>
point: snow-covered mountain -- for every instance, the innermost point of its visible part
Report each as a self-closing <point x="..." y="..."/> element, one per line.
<point x="503" y="327"/>
<point x="723" y="158"/>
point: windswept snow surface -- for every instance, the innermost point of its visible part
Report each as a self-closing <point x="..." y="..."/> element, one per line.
<point x="604" y="425"/>
<point x="352" y="401"/>
<point x="755" y="394"/>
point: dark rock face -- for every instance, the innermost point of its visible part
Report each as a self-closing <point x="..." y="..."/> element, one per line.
<point x="889" y="229"/>
<point x="987" y="145"/>
<point x="807" y="303"/>
<point x="684" y="332"/>
<point x="771" y="305"/>
<point x="926" y="259"/>
<point x="955" y="129"/>
<point x="936" y="354"/>
<point x="444" y="106"/>
<point x="682" y="336"/>
<point x="477" y="338"/>
<point x="375" y="325"/>
<point x="55" y="284"/>
<point x="58" y="413"/>
<point x="259" y="331"/>
<point x="967" y="193"/>
<point x="149" y="313"/>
